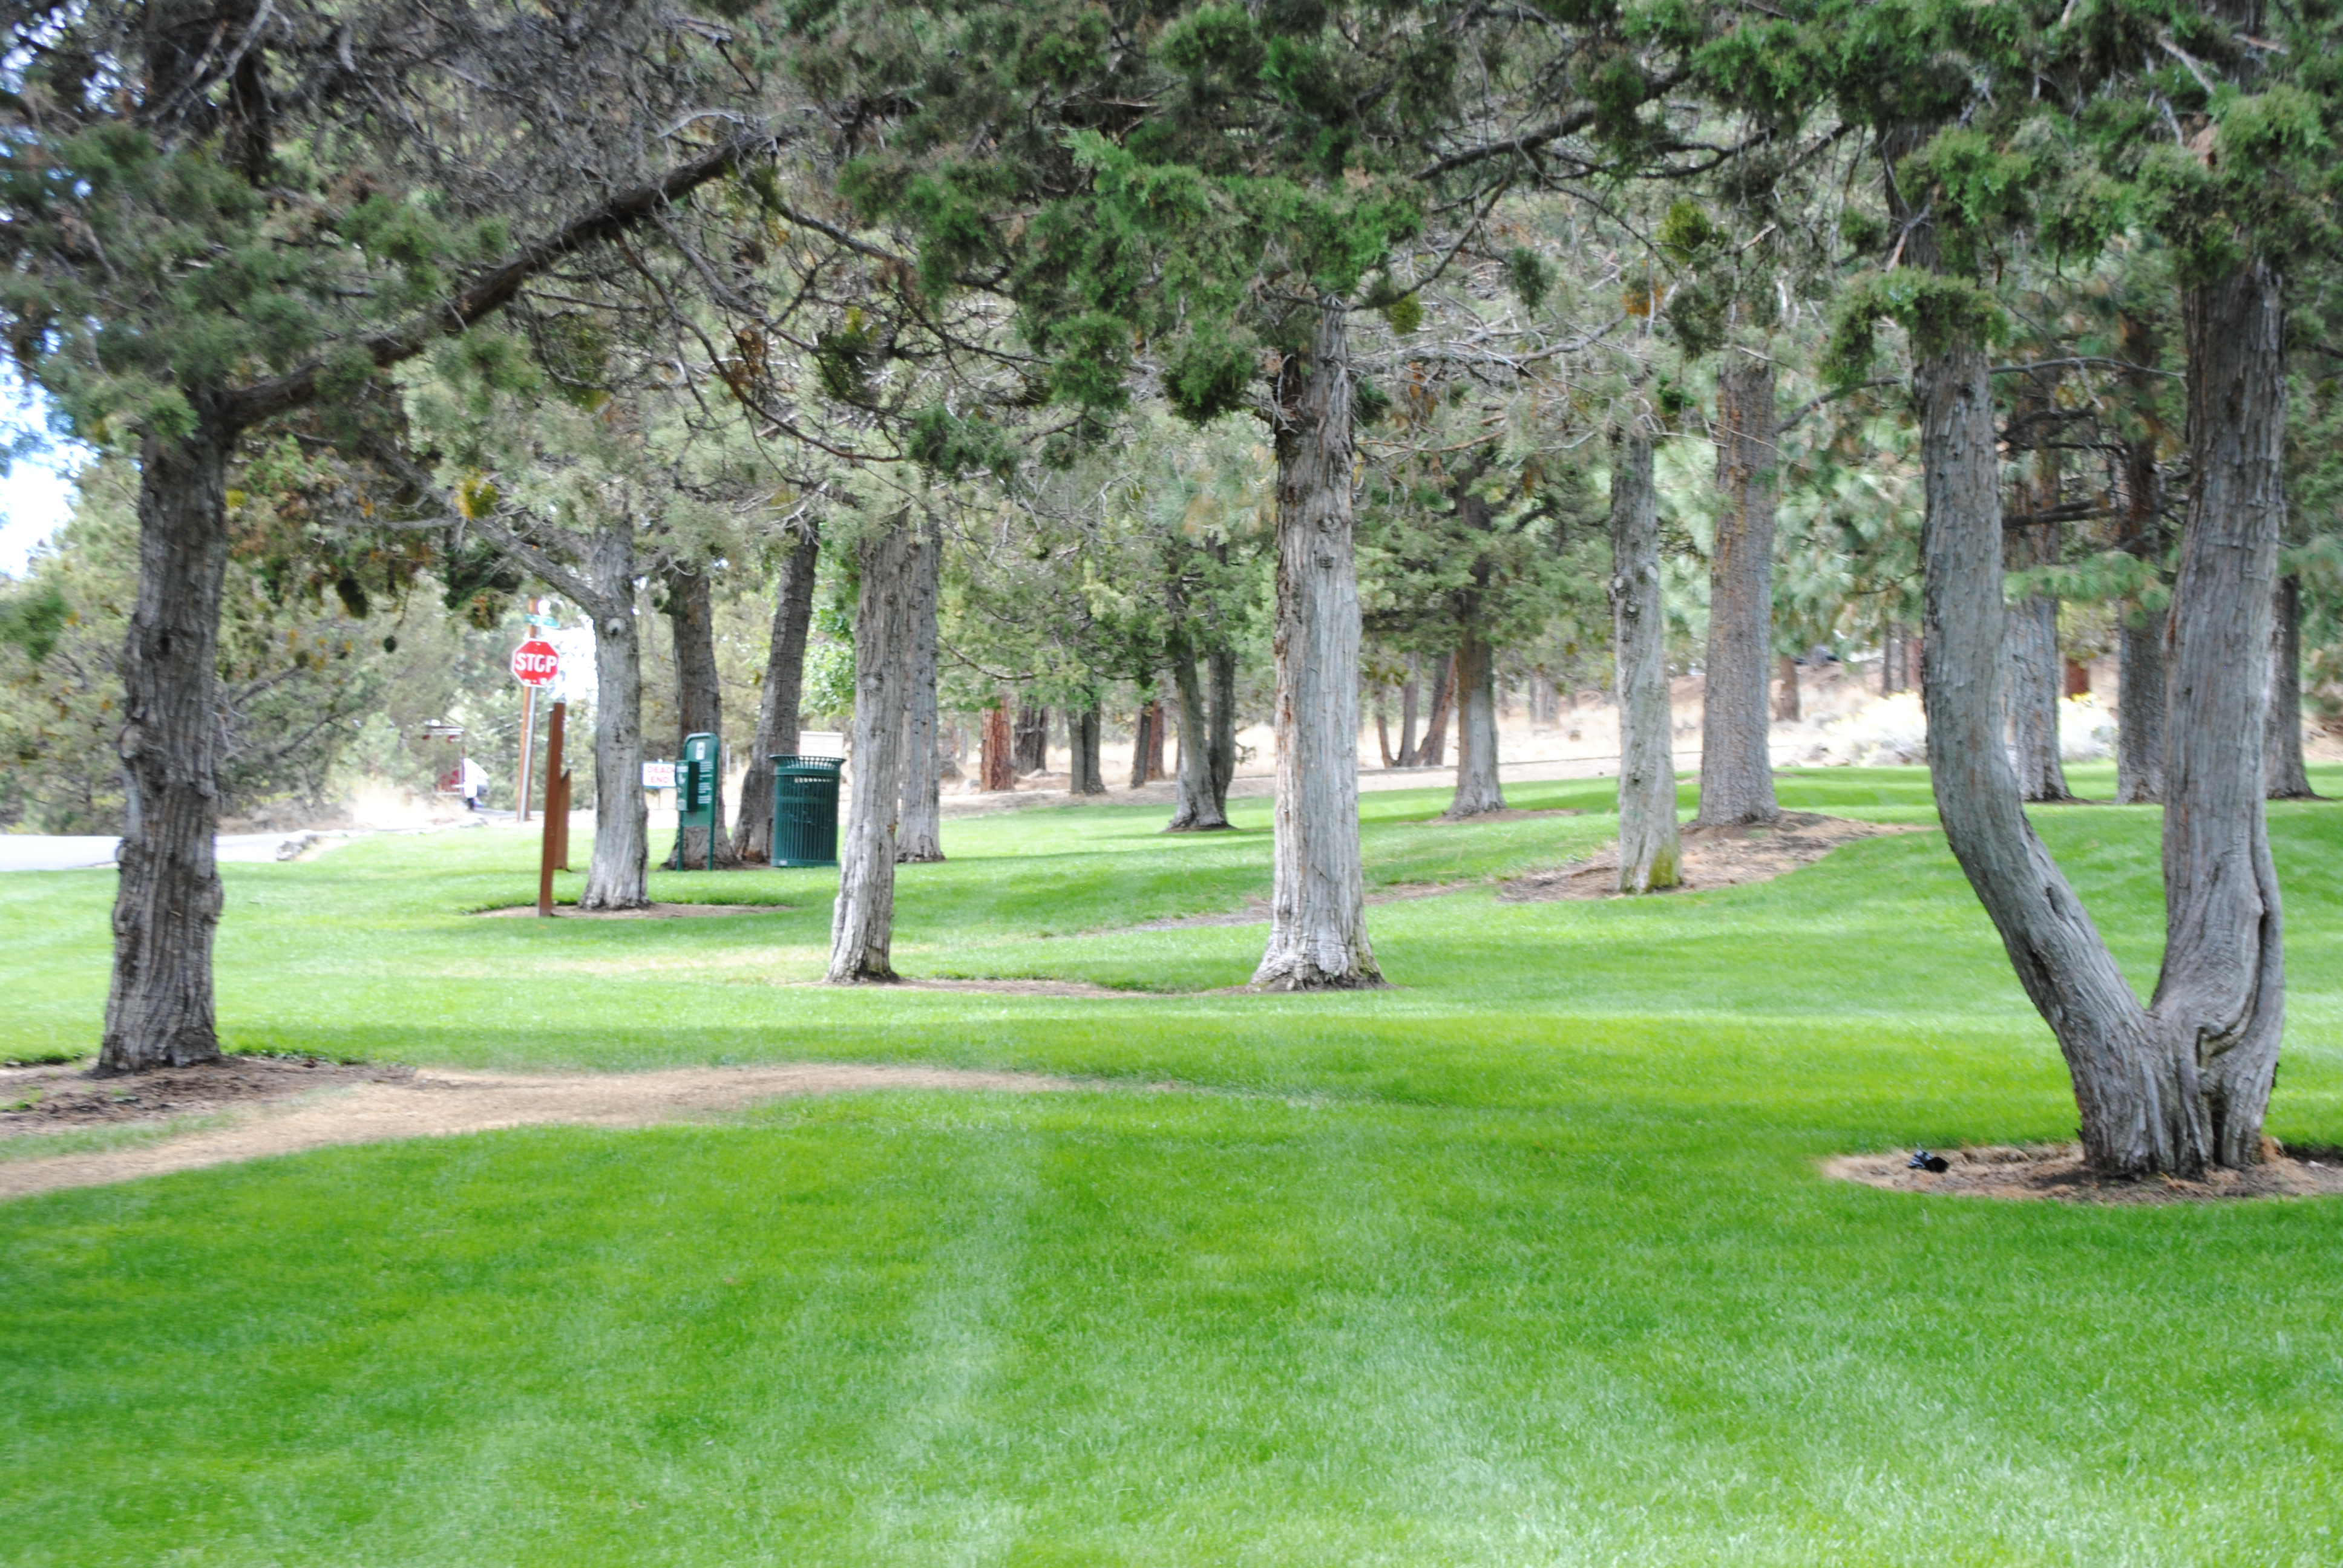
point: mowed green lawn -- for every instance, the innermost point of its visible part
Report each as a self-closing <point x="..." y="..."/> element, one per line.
<point x="1524" y="1261"/>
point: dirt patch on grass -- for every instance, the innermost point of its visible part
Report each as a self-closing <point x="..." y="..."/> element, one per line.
<point x="1713" y="857"/>
<point x="2056" y="1171"/>
<point x="655" y="912"/>
<point x="1509" y="814"/>
<point x="300" y="1109"/>
<point x="33" y="1101"/>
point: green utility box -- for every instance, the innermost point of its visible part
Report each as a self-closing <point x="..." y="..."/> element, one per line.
<point x="695" y="788"/>
<point x="805" y="810"/>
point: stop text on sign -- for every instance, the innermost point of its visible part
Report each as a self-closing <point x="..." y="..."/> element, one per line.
<point x="536" y="662"/>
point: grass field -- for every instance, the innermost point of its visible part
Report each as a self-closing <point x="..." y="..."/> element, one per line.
<point x="1522" y="1261"/>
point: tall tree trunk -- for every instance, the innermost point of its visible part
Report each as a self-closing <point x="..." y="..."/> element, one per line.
<point x="1382" y="734"/>
<point x="1651" y="852"/>
<point x="167" y="904"/>
<point x="617" y="877"/>
<point x="2139" y="736"/>
<point x="1477" y="788"/>
<point x="1786" y="690"/>
<point x="1220" y="736"/>
<point x="996" y="755"/>
<point x="1407" y="741"/>
<point x="699" y="698"/>
<point x="1141" y="738"/>
<point x="1317" y="920"/>
<point x="1159" y="734"/>
<point x="2184" y="1083"/>
<point x="1200" y="808"/>
<point x="777" y="712"/>
<point x="2035" y="666"/>
<point x="1737" y="763"/>
<point x="863" y="923"/>
<point x="1032" y="738"/>
<point x="2283" y="776"/>
<point x="922" y="839"/>
<point x="1082" y="728"/>
<point x="1434" y="746"/>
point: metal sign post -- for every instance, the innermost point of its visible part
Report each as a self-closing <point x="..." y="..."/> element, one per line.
<point x="535" y="663"/>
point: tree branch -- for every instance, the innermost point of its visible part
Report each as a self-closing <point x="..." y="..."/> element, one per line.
<point x="496" y="290"/>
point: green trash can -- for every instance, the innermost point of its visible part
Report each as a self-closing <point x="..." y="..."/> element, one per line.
<point x="805" y="810"/>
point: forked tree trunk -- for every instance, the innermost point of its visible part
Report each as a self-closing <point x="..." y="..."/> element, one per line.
<point x="1651" y="850"/>
<point x="1317" y="920"/>
<point x="1199" y="808"/>
<point x="1737" y="763"/>
<point x="777" y="712"/>
<point x="863" y="923"/>
<point x="700" y="700"/>
<point x="1089" y="778"/>
<point x="617" y="877"/>
<point x="167" y="904"/>
<point x="1477" y="788"/>
<point x="2283" y="776"/>
<point x="1786" y="690"/>
<point x="1159" y="734"/>
<point x="2184" y="1083"/>
<point x="921" y="840"/>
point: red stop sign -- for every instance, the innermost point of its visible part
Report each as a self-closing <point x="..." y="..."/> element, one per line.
<point x="536" y="662"/>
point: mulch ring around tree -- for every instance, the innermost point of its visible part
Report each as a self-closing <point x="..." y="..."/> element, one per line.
<point x="650" y="912"/>
<point x="1713" y="857"/>
<point x="2055" y="1172"/>
<point x="51" y="1099"/>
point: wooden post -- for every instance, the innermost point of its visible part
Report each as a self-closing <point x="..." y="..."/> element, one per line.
<point x="528" y="736"/>
<point x="555" y="849"/>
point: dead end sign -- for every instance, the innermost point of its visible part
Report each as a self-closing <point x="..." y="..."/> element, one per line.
<point x="536" y="662"/>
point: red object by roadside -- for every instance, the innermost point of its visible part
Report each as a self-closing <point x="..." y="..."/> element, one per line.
<point x="535" y="663"/>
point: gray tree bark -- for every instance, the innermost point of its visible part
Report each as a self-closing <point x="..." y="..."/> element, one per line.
<point x="2035" y="669"/>
<point x="699" y="698"/>
<point x="2139" y="736"/>
<point x="863" y="923"/>
<point x="2183" y="1083"/>
<point x="1317" y="923"/>
<point x="1407" y="741"/>
<point x="1433" y="745"/>
<point x="1651" y="852"/>
<point x="1478" y="790"/>
<point x="2283" y="777"/>
<point x="617" y="877"/>
<point x="1737" y="763"/>
<point x="1089" y="776"/>
<point x="777" y="711"/>
<point x="922" y="840"/>
<point x="1221" y="738"/>
<point x="1201" y="807"/>
<point x="2035" y="665"/>
<point x="167" y="904"/>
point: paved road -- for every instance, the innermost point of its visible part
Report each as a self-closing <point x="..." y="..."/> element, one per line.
<point x="73" y="852"/>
